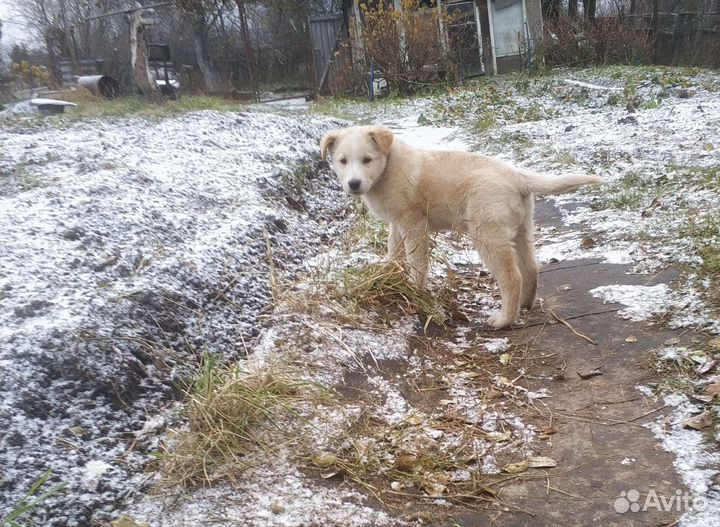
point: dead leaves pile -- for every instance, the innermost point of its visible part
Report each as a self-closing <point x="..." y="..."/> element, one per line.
<point x="697" y="362"/>
<point x="423" y="457"/>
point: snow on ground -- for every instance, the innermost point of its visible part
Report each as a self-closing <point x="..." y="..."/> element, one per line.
<point x="136" y="246"/>
<point x="695" y="461"/>
<point x="130" y="248"/>
<point x="642" y="301"/>
<point x="274" y="494"/>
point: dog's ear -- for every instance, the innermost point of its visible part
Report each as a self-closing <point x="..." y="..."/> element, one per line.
<point x="383" y="138"/>
<point x="327" y="142"/>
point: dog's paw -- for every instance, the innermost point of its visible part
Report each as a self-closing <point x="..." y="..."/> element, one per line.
<point x="499" y="321"/>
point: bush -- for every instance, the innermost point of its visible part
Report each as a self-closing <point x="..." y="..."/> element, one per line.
<point x="581" y="42"/>
<point x="406" y="47"/>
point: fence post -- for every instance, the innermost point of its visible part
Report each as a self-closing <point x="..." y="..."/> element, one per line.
<point x="653" y="28"/>
<point x="371" y="86"/>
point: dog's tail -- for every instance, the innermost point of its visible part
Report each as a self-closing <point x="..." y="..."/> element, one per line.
<point x="557" y="184"/>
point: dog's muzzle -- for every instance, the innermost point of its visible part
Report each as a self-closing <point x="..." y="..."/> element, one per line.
<point x="354" y="186"/>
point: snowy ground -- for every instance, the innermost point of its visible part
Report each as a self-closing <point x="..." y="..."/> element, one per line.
<point x="137" y="246"/>
<point x="130" y="248"/>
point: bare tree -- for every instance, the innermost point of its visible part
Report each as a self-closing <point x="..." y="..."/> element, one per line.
<point x="202" y="15"/>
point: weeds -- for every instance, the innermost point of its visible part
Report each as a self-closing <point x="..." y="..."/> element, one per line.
<point x="30" y="501"/>
<point x="232" y="412"/>
<point x="385" y="289"/>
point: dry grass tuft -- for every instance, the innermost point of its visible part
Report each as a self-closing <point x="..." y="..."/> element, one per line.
<point x="385" y="289"/>
<point x="233" y="412"/>
<point x="375" y="292"/>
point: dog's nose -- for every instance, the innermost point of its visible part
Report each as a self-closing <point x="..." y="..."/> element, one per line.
<point x="354" y="184"/>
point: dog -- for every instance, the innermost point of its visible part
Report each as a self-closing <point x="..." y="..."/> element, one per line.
<point x="424" y="191"/>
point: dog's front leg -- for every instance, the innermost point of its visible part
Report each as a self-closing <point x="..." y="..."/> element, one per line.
<point x="417" y="252"/>
<point x="396" y="248"/>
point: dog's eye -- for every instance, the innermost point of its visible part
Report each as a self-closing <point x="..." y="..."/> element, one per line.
<point x="343" y="161"/>
<point x="366" y="160"/>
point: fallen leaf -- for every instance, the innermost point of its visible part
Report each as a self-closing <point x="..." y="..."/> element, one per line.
<point x="78" y="430"/>
<point x="277" y="507"/>
<point x="503" y="381"/>
<point x="699" y="422"/>
<point x="631" y="338"/>
<point x="712" y="390"/>
<point x="516" y="468"/>
<point x="324" y="459"/>
<point x="127" y="521"/>
<point x="415" y="420"/>
<point x="331" y="472"/>
<point x="706" y="366"/>
<point x="406" y="463"/>
<point x="548" y="430"/>
<point x="592" y="373"/>
<point x="498" y="437"/>
<point x="433" y="489"/>
<point x="541" y="462"/>
<point x="587" y="242"/>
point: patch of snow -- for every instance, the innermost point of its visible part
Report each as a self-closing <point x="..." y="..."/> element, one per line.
<point x="643" y="302"/>
<point x="496" y="345"/>
<point x="591" y="86"/>
<point x="275" y="494"/>
<point x="645" y="390"/>
<point x="394" y="408"/>
<point x="695" y="461"/>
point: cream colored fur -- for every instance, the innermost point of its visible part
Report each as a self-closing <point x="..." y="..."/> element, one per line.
<point x="424" y="191"/>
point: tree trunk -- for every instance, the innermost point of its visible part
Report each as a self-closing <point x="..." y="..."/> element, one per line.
<point x="142" y="76"/>
<point x="249" y="52"/>
<point x="589" y="9"/>
<point x="573" y="8"/>
<point x="210" y="77"/>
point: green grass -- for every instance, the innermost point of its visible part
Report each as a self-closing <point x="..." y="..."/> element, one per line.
<point x="126" y="106"/>
<point x="564" y="157"/>
<point x="385" y="288"/>
<point x="91" y="107"/>
<point x="707" y="176"/>
<point x="30" y="501"/>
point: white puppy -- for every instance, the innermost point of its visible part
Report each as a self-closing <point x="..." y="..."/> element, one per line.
<point x="423" y="191"/>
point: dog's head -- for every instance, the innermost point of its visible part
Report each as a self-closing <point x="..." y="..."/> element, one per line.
<point x="359" y="155"/>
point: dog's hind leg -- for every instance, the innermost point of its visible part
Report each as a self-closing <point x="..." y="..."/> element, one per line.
<point x="529" y="267"/>
<point x="501" y="258"/>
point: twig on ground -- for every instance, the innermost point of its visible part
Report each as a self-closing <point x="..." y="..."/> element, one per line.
<point x="567" y="324"/>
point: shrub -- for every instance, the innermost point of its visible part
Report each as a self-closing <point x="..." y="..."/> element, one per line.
<point x="570" y="41"/>
<point x="407" y="47"/>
